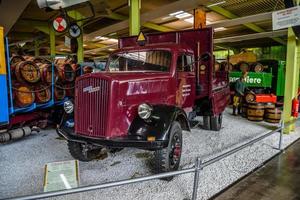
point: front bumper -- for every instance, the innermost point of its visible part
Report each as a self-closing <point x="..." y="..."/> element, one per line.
<point x="119" y="142"/>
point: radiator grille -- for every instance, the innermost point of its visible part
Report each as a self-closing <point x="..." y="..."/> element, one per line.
<point x="91" y="110"/>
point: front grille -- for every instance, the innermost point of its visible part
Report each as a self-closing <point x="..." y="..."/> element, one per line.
<point x="91" y="110"/>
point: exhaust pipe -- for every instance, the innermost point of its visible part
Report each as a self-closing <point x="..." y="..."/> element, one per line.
<point x="15" y="134"/>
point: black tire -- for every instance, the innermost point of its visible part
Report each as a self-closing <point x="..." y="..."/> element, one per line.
<point x="216" y="122"/>
<point x="206" y="122"/>
<point x="114" y="150"/>
<point x="76" y="149"/>
<point x="168" y="159"/>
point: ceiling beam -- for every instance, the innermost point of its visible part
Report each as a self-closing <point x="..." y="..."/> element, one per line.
<point x="149" y="25"/>
<point x="251" y="26"/>
<point x="253" y="36"/>
<point x="242" y="20"/>
<point x="10" y="11"/>
<point x="151" y="15"/>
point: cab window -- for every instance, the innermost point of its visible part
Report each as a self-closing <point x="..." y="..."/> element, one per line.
<point x="184" y="63"/>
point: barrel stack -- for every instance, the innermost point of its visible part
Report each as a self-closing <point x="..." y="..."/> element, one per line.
<point x="32" y="79"/>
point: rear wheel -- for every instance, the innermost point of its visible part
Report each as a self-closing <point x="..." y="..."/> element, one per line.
<point x="216" y="122"/>
<point x="168" y="159"/>
<point x="83" y="152"/>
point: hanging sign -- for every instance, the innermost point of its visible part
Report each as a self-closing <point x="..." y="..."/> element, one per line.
<point x="74" y="30"/>
<point x="60" y="24"/>
<point x="141" y="39"/>
<point x="286" y="18"/>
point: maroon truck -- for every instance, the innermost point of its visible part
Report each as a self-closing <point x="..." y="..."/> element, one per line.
<point x="147" y="95"/>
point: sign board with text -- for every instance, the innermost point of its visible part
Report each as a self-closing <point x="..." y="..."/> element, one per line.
<point x="61" y="175"/>
<point x="286" y="18"/>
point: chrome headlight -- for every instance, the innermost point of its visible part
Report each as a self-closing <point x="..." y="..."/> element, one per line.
<point x="145" y="110"/>
<point x="68" y="107"/>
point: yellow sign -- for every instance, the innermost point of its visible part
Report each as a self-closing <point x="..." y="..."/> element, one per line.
<point x="141" y="37"/>
<point x="61" y="175"/>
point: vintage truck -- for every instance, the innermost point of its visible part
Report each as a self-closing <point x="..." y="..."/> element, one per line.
<point x="149" y="92"/>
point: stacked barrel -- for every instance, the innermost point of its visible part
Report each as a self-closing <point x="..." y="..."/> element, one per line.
<point x="254" y="111"/>
<point x="32" y="79"/>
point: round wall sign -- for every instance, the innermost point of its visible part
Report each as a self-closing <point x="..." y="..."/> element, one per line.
<point x="74" y="30"/>
<point x="60" y="24"/>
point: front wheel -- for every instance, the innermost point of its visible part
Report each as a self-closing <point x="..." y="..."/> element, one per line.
<point x="168" y="159"/>
<point x="83" y="152"/>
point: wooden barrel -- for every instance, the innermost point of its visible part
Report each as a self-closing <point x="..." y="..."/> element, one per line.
<point x="87" y="69"/>
<point x="70" y="89"/>
<point x="42" y="94"/>
<point x="255" y="112"/>
<point x="257" y="67"/>
<point x="14" y="61"/>
<point x="66" y="72"/>
<point x="269" y="105"/>
<point x="29" y="58"/>
<point x="217" y="66"/>
<point x="23" y="95"/>
<point x="244" y="110"/>
<point x="46" y="72"/>
<point x="27" y="71"/>
<point x="59" y="93"/>
<point x="243" y="66"/>
<point x="272" y="115"/>
<point x="41" y="60"/>
<point x="225" y="66"/>
<point x="250" y="98"/>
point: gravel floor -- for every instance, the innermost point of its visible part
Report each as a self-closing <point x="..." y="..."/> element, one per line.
<point x="22" y="163"/>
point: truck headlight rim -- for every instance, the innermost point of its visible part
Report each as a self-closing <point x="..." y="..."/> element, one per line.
<point x="68" y="107"/>
<point x="145" y="111"/>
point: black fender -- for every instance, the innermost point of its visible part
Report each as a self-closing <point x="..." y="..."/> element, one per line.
<point x="159" y="124"/>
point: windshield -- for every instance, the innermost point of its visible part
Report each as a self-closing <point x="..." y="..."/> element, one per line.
<point x="153" y="60"/>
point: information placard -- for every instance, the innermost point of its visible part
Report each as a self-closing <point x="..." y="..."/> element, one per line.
<point x="286" y="18"/>
<point x="61" y="175"/>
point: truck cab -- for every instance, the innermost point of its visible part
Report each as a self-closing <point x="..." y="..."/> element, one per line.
<point x="146" y="96"/>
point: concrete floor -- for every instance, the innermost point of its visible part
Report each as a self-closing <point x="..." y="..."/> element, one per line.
<point x="22" y="163"/>
<point x="279" y="179"/>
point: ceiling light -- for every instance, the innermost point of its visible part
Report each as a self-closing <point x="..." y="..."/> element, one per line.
<point x="176" y="13"/>
<point x="220" y="29"/>
<point x="101" y="38"/>
<point x="190" y="20"/>
<point x="111" y="49"/>
<point x="208" y="22"/>
<point x="85" y="45"/>
<point x="183" y="15"/>
<point x="215" y="4"/>
<point x="112" y="40"/>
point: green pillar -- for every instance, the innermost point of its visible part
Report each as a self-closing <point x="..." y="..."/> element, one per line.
<point x="291" y="78"/>
<point x="80" y="51"/>
<point x="134" y="17"/>
<point x="52" y="42"/>
<point x="36" y="48"/>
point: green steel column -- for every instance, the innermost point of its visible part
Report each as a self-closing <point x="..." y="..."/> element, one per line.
<point x="52" y="42"/>
<point x="134" y="17"/>
<point x="291" y="78"/>
<point x="36" y="48"/>
<point x="80" y="51"/>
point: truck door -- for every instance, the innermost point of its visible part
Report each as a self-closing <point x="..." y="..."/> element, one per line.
<point x="185" y="93"/>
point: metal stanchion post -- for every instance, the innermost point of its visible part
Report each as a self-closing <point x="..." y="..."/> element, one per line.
<point x="280" y="136"/>
<point x="198" y="167"/>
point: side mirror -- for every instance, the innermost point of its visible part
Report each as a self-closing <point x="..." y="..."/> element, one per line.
<point x="205" y="57"/>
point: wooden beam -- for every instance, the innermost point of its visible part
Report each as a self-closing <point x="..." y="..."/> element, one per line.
<point x="146" y="17"/>
<point x="252" y="36"/>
